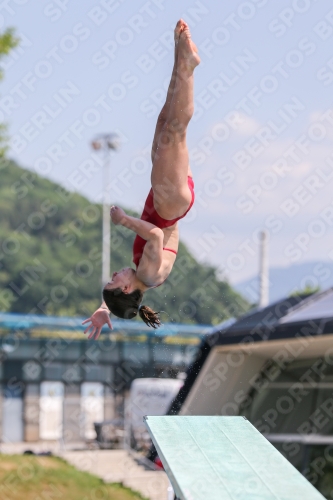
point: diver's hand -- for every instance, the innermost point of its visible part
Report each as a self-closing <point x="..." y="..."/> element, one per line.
<point x="117" y="215"/>
<point x="98" y="320"/>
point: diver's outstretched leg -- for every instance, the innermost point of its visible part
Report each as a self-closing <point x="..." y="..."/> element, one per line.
<point x="162" y="117"/>
<point x="172" y="195"/>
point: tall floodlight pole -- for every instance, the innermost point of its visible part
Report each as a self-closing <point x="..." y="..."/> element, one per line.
<point x="106" y="143"/>
<point x="263" y="270"/>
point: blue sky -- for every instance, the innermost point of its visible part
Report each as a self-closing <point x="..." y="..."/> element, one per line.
<point x="261" y="137"/>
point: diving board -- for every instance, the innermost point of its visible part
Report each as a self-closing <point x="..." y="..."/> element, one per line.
<point x="224" y="458"/>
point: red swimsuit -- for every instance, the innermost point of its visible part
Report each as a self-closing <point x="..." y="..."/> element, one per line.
<point x="149" y="214"/>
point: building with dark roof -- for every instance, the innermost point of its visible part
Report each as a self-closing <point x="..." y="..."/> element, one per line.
<point x="275" y="367"/>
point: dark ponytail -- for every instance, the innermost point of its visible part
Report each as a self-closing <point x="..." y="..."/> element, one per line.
<point x="150" y="317"/>
<point x="127" y="306"/>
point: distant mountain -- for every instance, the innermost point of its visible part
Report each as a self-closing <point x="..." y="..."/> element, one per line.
<point x="286" y="280"/>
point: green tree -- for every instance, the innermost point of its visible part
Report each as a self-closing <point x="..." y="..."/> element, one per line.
<point x="8" y="41"/>
<point x="309" y="289"/>
<point x="50" y="257"/>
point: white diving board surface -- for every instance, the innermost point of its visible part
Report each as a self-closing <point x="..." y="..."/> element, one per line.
<point x="224" y="458"/>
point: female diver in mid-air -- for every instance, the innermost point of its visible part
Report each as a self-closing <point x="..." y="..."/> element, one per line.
<point x="170" y="198"/>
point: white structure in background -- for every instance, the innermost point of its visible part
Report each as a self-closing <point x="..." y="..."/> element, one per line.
<point x="106" y="143"/>
<point x="263" y="271"/>
<point x="12" y="404"/>
<point x="51" y="410"/>
<point x="12" y="423"/>
<point x="148" y="396"/>
<point x="92" y="408"/>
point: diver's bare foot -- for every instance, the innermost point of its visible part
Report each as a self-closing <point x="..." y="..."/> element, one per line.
<point x="187" y="51"/>
<point x="194" y="47"/>
<point x="178" y="29"/>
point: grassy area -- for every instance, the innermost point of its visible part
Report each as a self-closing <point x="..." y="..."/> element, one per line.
<point x="26" y="477"/>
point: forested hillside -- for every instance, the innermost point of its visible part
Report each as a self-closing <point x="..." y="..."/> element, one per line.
<point x="50" y="257"/>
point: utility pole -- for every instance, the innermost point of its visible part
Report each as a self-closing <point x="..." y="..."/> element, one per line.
<point x="263" y="270"/>
<point x="106" y="143"/>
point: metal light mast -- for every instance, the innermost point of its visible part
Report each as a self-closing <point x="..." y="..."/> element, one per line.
<point x="263" y="270"/>
<point x="106" y="143"/>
